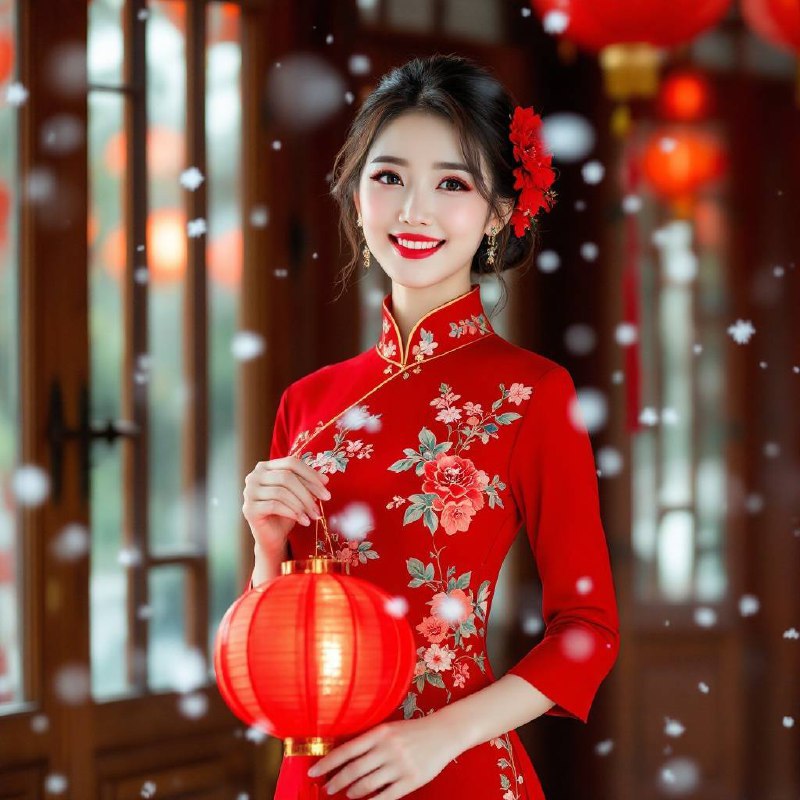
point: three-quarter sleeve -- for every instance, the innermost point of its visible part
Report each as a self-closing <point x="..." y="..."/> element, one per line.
<point x="554" y="483"/>
<point x="280" y="445"/>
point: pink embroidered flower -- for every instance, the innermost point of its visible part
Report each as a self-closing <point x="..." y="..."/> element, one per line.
<point x="509" y="795"/>
<point x="353" y="447"/>
<point x="497" y="742"/>
<point x="325" y="463"/>
<point x="445" y="400"/>
<point x="460" y="673"/>
<point x="365" y="451"/>
<point x="389" y="349"/>
<point x="454" y="479"/>
<point x="473" y="409"/>
<point x="433" y="629"/>
<point x="453" y="606"/>
<point x="347" y="555"/>
<point x="448" y="415"/>
<point x="456" y="517"/>
<point x="517" y="393"/>
<point x="419" y="669"/>
<point x="426" y="348"/>
<point x="438" y="659"/>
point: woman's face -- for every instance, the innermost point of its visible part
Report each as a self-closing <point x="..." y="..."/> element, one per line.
<point x="405" y="190"/>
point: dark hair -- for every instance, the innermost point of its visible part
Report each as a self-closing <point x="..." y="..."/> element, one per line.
<point x="468" y="95"/>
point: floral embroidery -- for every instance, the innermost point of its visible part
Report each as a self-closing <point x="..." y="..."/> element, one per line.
<point x="476" y="323"/>
<point x="388" y="348"/>
<point x="504" y="743"/>
<point x="350" y="551"/>
<point x="453" y="491"/>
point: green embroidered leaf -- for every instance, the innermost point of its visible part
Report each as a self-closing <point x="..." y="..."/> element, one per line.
<point x="416" y="569"/>
<point x="507" y="417"/>
<point x="409" y="705"/>
<point x="365" y="545"/>
<point x="441" y="448"/>
<point x="497" y="404"/>
<point x="467" y="628"/>
<point x="420" y="682"/>
<point x="435" y="679"/>
<point x="451" y="584"/>
<point x="429" y="572"/>
<point x="450" y="570"/>
<point x="431" y="520"/>
<point x="427" y="439"/>
<point x="490" y="427"/>
<point x="479" y="661"/>
<point x="372" y="554"/>
<point x="504" y="781"/>
<point x="463" y="580"/>
<point x="413" y="513"/>
<point x="503" y="763"/>
<point x="403" y="464"/>
<point x="415" y="583"/>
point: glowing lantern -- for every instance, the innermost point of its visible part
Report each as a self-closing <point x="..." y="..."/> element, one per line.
<point x="166" y="245"/>
<point x="165" y="152"/>
<point x="679" y="163"/>
<point x="777" y="21"/>
<point x="685" y="97"/>
<point x="225" y="258"/>
<point x="627" y="35"/>
<point x="6" y="56"/>
<point x="313" y="655"/>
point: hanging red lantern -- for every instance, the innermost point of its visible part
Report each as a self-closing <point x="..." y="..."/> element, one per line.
<point x="684" y="96"/>
<point x="6" y="56"/>
<point x="313" y="655"/>
<point x="678" y="163"/>
<point x="778" y="22"/>
<point x="627" y="35"/>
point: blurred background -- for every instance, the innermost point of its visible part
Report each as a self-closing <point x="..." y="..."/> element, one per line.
<point x="168" y="263"/>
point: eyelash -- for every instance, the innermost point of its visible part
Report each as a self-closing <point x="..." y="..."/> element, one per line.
<point x="380" y="174"/>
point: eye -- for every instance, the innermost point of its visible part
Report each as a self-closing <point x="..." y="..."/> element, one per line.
<point x="377" y="177"/>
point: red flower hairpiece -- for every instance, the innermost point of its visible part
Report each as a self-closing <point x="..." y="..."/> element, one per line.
<point x="534" y="176"/>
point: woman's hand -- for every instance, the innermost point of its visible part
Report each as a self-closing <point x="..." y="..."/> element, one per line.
<point x="278" y="494"/>
<point x="397" y="757"/>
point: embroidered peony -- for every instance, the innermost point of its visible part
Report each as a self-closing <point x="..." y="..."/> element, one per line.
<point x="517" y="393"/>
<point x="456" y="516"/>
<point x="438" y="659"/>
<point x="434" y="629"/>
<point x="454" y="606"/>
<point x="454" y="479"/>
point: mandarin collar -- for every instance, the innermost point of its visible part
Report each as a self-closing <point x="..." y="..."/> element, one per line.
<point x="447" y="327"/>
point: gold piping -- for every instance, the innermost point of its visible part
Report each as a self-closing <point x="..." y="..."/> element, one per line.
<point x="402" y="370"/>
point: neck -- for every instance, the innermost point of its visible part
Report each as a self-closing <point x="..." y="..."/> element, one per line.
<point x="410" y="304"/>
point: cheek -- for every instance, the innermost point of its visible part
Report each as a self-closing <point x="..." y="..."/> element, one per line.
<point x="376" y="204"/>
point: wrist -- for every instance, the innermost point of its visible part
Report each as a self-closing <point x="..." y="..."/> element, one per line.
<point x="460" y="728"/>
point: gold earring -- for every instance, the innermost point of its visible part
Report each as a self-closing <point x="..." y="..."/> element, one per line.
<point x="491" y="250"/>
<point x="365" y="252"/>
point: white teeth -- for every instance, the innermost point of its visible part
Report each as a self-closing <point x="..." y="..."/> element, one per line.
<point x="417" y="245"/>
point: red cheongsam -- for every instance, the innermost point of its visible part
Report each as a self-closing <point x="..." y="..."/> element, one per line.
<point x="438" y="450"/>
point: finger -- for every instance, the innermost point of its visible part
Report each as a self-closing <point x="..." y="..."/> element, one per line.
<point x="394" y="792"/>
<point x="356" y="770"/>
<point x="342" y="754"/>
<point x="288" y="481"/>
<point x="280" y="502"/>
<point x="301" y="467"/>
<point x="375" y="780"/>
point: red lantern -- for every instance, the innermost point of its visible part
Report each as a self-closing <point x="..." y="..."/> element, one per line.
<point x="627" y="34"/>
<point x="313" y="655"/>
<point x="595" y="24"/>
<point x="678" y="163"/>
<point x="685" y="97"/>
<point x="777" y="21"/>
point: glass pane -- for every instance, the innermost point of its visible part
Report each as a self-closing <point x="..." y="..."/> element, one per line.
<point x="105" y="42"/>
<point x="109" y="584"/>
<point x="479" y="20"/>
<point x="223" y="136"/>
<point x="167" y="640"/>
<point x="166" y="258"/>
<point x="11" y="610"/>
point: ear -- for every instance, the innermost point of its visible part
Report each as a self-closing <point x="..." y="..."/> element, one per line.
<point x="507" y="209"/>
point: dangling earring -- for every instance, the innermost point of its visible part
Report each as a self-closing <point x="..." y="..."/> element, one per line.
<point x="365" y="252"/>
<point x="491" y="250"/>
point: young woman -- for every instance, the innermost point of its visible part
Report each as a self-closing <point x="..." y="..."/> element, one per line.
<point x="420" y="458"/>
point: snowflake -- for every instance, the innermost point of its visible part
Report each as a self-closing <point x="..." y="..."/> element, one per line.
<point x="191" y="178"/>
<point x="196" y="227"/>
<point x="741" y="331"/>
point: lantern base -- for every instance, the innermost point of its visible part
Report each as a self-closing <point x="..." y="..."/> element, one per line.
<point x="312" y="746"/>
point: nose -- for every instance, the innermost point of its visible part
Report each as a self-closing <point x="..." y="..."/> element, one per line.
<point x="412" y="211"/>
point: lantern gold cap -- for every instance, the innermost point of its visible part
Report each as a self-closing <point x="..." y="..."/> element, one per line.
<point x="312" y="746"/>
<point x="316" y="566"/>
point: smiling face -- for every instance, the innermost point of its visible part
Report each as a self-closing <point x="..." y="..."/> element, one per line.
<point x="415" y="184"/>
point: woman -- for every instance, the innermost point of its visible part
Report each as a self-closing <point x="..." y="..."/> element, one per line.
<point x="420" y="458"/>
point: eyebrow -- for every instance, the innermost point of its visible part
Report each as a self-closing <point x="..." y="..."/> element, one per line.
<point x="436" y="165"/>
